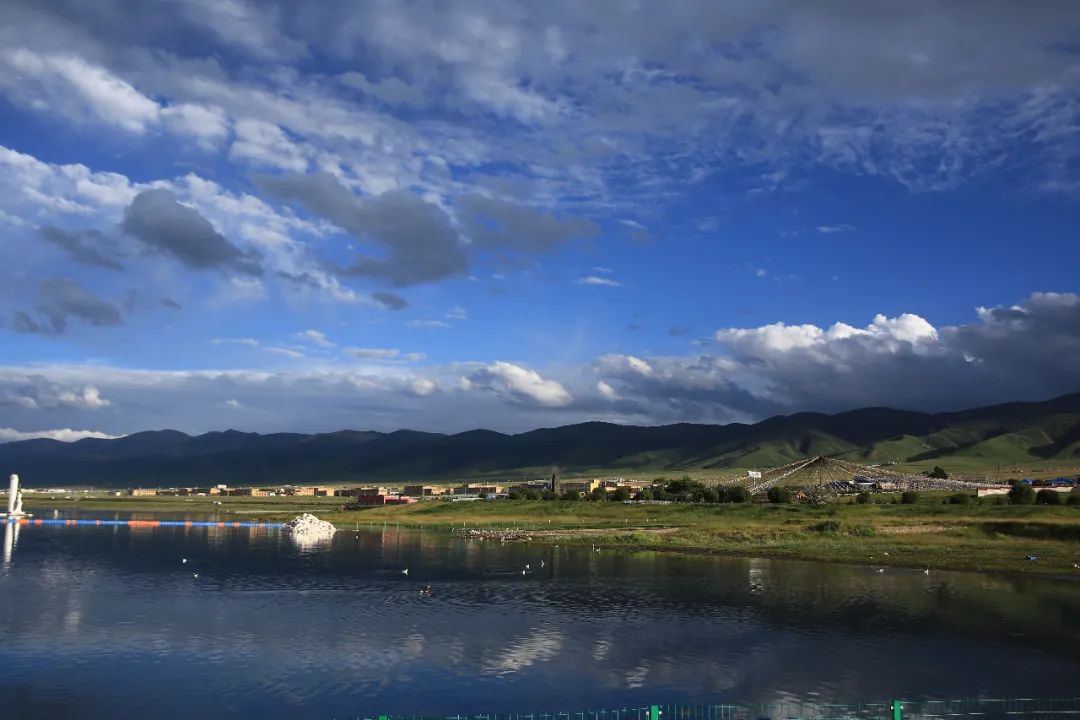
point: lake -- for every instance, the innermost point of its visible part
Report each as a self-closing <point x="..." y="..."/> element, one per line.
<point x="100" y="622"/>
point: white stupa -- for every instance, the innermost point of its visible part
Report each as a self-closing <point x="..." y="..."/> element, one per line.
<point x="14" y="508"/>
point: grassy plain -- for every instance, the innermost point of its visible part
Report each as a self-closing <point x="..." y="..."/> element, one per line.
<point x="930" y="534"/>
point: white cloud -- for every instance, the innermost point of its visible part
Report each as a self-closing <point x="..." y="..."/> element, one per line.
<point x="264" y="143"/>
<point x="597" y="280"/>
<point x="832" y="229"/>
<point x="235" y="404"/>
<point x="457" y="313"/>
<point x="385" y="354"/>
<point x="374" y="353"/>
<point x="428" y="324"/>
<point x="520" y="383"/>
<point x="89" y="397"/>
<point x="286" y="352"/>
<point x="1021" y="351"/>
<point x="64" y="435"/>
<point x="70" y="85"/>
<point x="638" y="365"/>
<point x="424" y="386"/>
<point x="315" y="338"/>
<point x="209" y="125"/>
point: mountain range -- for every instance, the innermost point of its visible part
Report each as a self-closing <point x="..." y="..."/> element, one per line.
<point x="996" y="436"/>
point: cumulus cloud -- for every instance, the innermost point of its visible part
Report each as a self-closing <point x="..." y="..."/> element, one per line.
<point x="521" y="384"/>
<point x="158" y="220"/>
<point x="64" y="435"/>
<point x="36" y="392"/>
<point x="1006" y="353"/>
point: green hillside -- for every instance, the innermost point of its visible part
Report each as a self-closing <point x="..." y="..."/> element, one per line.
<point x="1005" y="437"/>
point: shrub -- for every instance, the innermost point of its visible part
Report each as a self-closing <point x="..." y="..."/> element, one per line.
<point x="834" y="527"/>
<point x="710" y="495"/>
<point x="939" y="473"/>
<point x="779" y="495"/>
<point x="621" y="494"/>
<point x="959" y="499"/>
<point x="1022" y="494"/>
<point x="644" y="494"/>
<point x="736" y="494"/>
<point x="515" y="495"/>
<point x="863" y="498"/>
<point x="549" y="495"/>
<point x="570" y="495"/>
<point x="1048" y="497"/>
<point x="909" y="497"/>
<point x="1074" y="497"/>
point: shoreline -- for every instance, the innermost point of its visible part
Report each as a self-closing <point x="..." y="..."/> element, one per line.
<point x="980" y="538"/>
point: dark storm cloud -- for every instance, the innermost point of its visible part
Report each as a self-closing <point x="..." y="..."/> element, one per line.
<point x="389" y="300"/>
<point x="88" y="247"/>
<point x="416" y="238"/>
<point x="162" y="224"/>
<point x="59" y="301"/>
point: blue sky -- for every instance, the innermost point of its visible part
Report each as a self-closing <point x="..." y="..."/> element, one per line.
<point x="268" y="217"/>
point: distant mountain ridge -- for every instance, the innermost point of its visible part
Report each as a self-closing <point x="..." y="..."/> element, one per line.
<point x="1001" y="434"/>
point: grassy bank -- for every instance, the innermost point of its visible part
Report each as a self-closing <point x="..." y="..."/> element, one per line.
<point x="926" y="535"/>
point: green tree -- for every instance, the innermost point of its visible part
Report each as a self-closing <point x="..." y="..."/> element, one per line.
<point x="515" y="494"/>
<point x="779" y="495"/>
<point x="1048" y="497"/>
<point x="644" y="494"/>
<point x="621" y="494"/>
<point x="939" y="473"/>
<point x="710" y="495"/>
<point x="531" y="494"/>
<point x="549" y="495"/>
<point x="1074" y="497"/>
<point x="598" y="494"/>
<point x="959" y="499"/>
<point x="1022" y="494"/>
<point x="737" y="494"/>
<point x="909" y="497"/>
<point x="863" y="498"/>
<point x="570" y="495"/>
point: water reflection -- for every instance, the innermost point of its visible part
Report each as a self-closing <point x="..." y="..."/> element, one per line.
<point x="11" y="538"/>
<point x="95" y="618"/>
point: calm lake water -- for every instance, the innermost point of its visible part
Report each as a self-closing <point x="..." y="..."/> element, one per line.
<point x="107" y="622"/>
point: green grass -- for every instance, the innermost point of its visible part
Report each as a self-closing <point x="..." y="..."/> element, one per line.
<point x="930" y="534"/>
